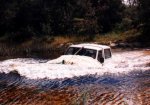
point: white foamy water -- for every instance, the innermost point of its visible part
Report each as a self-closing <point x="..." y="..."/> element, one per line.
<point x="123" y="62"/>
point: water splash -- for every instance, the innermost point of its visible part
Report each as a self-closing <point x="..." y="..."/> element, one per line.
<point x="121" y="80"/>
<point x="121" y="63"/>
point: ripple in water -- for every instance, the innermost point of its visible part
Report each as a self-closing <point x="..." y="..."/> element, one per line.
<point x="109" y="88"/>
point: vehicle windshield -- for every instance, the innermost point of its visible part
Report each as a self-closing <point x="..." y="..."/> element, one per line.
<point x="81" y="51"/>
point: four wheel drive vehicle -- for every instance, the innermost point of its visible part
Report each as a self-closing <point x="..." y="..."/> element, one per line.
<point x="98" y="52"/>
<point x="84" y="54"/>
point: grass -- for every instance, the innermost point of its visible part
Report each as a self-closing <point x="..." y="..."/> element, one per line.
<point x="70" y="39"/>
<point x="116" y="36"/>
<point x="47" y="46"/>
<point x="100" y="38"/>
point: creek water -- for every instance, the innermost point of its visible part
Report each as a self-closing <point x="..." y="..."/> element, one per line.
<point x="122" y="80"/>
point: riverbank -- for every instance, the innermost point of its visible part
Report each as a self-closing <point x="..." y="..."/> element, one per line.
<point x="50" y="47"/>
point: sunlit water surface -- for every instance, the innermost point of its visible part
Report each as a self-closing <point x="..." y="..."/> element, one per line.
<point x="122" y="80"/>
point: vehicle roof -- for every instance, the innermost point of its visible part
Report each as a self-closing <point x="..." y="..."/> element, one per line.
<point x="91" y="46"/>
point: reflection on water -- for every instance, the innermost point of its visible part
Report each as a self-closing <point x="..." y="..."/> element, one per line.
<point x="132" y="88"/>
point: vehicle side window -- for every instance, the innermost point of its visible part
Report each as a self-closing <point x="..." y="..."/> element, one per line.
<point x="90" y="53"/>
<point x="99" y="55"/>
<point x="107" y="53"/>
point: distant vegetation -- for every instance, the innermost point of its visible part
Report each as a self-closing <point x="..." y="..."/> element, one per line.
<point x="34" y="26"/>
<point x="21" y="20"/>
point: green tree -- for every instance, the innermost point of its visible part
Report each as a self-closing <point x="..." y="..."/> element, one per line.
<point x="85" y="21"/>
<point x="8" y="11"/>
<point x="108" y="13"/>
<point x="144" y="13"/>
<point x="28" y="18"/>
<point x="61" y="16"/>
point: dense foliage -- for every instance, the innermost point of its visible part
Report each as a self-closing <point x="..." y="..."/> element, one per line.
<point x="144" y="8"/>
<point x="22" y="19"/>
<point x="55" y="17"/>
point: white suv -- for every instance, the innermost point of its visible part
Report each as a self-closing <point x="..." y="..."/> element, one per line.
<point x="96" y="51"/>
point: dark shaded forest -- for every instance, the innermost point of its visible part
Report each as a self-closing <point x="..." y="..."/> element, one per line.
<point x="27" y="18"/>
<point x="40" y="28"/>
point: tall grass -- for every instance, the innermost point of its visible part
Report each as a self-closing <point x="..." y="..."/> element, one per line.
<point x="127" y="36"/>
<point x="52" y="47"/>
<point x="32" y="48"/>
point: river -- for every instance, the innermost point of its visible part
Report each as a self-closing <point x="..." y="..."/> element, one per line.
<point x="124" y="80"/>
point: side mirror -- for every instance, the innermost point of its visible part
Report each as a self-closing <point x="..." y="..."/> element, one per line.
<point x="101" y="60"/>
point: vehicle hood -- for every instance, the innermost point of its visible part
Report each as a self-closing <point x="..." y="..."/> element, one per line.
<point x="76" y="60"/>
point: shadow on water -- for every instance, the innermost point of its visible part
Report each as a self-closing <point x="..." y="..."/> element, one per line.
<point x="85" y="90"/>
<point x="14" y="78"/>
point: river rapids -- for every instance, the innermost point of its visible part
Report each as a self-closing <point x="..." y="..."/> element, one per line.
<point x="122" y="80"/>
